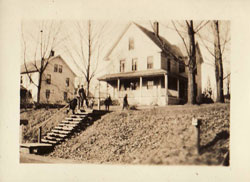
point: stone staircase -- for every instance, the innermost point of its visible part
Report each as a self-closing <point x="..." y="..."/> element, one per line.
<point x="66" y="128"/>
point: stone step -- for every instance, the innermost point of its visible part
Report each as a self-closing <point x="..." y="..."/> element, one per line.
<point x="73" y="119"/>
<point x="60" y="131"/>
<point x="78" y="115"/>
<point x="57" y="135"/>
<point x="49" y="141"/>
<point x="53" y="138"/>
<point x="67" y="125"/>
<point x="71" y="122"/>
<point x="64" y="128"/>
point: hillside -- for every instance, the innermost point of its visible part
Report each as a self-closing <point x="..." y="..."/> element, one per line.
<point x="162" y="135"/>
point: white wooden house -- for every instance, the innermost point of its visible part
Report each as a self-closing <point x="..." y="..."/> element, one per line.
<point x="139" y="68"/>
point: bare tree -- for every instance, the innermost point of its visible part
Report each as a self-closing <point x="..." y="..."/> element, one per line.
<point x="39" y="40"/>
<point x="85" y="48"/>
<point x="186" y="32"/>
<point x="220" y="41"/>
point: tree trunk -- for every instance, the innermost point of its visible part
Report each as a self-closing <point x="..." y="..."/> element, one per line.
<point x="39" y="88"/>
<point x="192" y="62"/>
<point x="218" y="63"/>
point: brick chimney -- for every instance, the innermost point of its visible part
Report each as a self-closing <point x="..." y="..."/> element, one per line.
<point x="156" y="28"/>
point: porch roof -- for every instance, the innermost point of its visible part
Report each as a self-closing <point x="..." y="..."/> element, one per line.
<point x="136" y="74"/>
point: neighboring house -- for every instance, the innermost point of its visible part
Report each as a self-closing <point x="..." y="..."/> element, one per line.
<point x="139" y="68"/>
<point x="57" y="81"/>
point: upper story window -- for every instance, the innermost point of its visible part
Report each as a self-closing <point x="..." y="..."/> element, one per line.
<point x="134" y="64"/>
<point x="168" y="65"/>
<point x="65" y="96"/>
<point x="131" y="43"/>
<point x="47" y="94"/>
<point x="67" y="82"/>
<point x="55" y="67"/>
<point x="48" y="80"/>
<point x="60" y="68"/>
<point x="181" y="68"/>
<point x="122" y="65"/>
<point x="150" y="62"/>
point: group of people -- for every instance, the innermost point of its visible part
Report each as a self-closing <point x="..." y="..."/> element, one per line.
<point x="81" y="98"/>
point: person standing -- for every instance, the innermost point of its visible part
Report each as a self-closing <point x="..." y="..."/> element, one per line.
<point x="125" y="102"/>
<point x="107" y="103"/>
<point x="82" y="96"/>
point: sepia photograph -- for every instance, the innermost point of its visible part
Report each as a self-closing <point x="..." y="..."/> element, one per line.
<point x="111" y="92"/>
<point x="124" y="91"/>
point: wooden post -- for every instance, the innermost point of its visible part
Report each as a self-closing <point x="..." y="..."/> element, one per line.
<point x="178" y="88"/>
<point x="166" y="87"/>
<point x="22" y="123"/>
<point x="140" y="90"/>
<point x="40" y="134"/>
<point x="99" y="99"/>
<point x="21" y="134"/>
<point x="196" y="123"/>
<point x="118" y="88"/>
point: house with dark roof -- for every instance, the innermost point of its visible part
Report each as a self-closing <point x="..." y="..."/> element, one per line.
<point x="148" y="68"/>
<point x="58" y="80"/>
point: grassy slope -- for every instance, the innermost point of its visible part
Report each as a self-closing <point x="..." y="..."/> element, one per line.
<point x="161" y="135"/>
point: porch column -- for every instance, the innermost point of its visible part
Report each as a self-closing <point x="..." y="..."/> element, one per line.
<point x="140" y="90"/>
<point x="107" y="89"/>
<point x="118" y="88"/>
<point x="178" y="88"/>
<point x="99" y="99"/>
<point x="166" y="87"/>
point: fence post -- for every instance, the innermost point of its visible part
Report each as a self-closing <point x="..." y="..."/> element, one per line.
<point x="196" y="123"/>
<point x="40" y="134"/>
<point x="22" y="123"/>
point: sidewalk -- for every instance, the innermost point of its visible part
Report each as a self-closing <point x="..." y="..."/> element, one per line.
<point x="32" y="158"/>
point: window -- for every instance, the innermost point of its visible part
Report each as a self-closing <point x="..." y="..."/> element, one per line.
<point x="60" y="69"/>
<point x="48" y="79"/>
<point x="150" y="62"/>
<point x="131" y="43"/>
<point x="150" y="84"/>
<point x="67" y="82"/>
<point x="181" y="67"/>
<point x="134" y="64"/>
<point x="122" y="65"/>
<point x="172" y="83"/>
<point x="55" y="67"/>
<point x="133" y="85"/>
<point x="21" y="80"/>
<point x="47" y="94"/>
<point x="65" y="96"/>
<point x="168" y="65"/>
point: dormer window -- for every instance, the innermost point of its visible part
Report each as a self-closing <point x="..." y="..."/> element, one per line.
<point x="131" y="43"/>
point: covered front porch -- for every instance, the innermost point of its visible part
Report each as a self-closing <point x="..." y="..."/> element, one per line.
<point x="150" y="87"/>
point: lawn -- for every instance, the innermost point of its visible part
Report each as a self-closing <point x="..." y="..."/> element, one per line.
<point x="160" y="135"/>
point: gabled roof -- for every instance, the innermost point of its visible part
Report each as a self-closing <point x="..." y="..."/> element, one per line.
<point x="32" y="66"/>
<point x="158" y="40"/>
